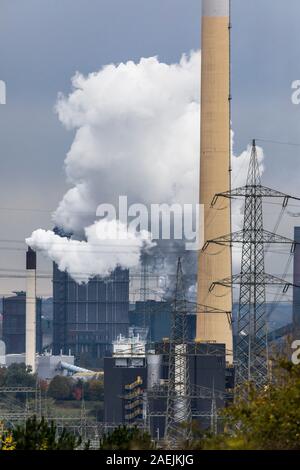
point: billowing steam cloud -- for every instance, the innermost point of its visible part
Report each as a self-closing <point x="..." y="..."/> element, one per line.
<point x="137" y="134"/>
<point x="108" y="244"/>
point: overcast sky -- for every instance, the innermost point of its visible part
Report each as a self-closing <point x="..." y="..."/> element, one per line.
<point x="44" y="42"/>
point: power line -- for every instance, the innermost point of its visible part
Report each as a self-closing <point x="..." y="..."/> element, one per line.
<point x="277" y="142"/>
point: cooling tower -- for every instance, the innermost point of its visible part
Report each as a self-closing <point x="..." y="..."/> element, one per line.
<point x="30" y="342"/>
<point x="215" y="263"/>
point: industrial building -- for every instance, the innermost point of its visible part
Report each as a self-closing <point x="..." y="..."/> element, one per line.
<point x="135" y="383"/>
<point x="125" y="381"/>
<point x="156" y="317"/>
<point x="47" y="365"/>
<point x="206" y="366"/>
<point x="14" y="323"/>
<point x="87" y="318"/>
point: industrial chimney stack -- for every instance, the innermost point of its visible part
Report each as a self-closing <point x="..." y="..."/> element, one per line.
<point x="215" y="169"/>
<point x="31" y="309"/>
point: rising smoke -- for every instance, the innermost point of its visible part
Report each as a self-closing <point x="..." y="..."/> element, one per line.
<point x="107" y="244"/>
<point x="137" y="134"/>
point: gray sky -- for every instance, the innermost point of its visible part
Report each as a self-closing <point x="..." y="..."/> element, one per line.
<point x="44" y="42"/>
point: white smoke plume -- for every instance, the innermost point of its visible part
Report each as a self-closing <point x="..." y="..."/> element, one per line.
<point x="137" y="134"/>
<point x="108" y="244"/>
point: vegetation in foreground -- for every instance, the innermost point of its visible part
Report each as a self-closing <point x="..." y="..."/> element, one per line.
<point x="269" y="420"/>
<point x="124" y="438"/>
<point x="38" y="435"/>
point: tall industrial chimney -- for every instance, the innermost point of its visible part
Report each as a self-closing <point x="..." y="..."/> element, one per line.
<point x="215" y="264"/>
<point x="31" y="309"/>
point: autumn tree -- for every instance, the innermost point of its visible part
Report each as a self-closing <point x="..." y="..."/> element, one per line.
<point x="268" y="420"/>
<point x="95" y="390"/>
<point x="60" y="388"/>
<point x="38" y="435"/>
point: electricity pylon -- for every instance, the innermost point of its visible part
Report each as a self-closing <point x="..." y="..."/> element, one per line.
<point x="251" y="351"/>
<point x="179" y="413"/>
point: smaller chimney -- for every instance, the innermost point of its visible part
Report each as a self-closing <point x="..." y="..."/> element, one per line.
<point x="31" y="309"/>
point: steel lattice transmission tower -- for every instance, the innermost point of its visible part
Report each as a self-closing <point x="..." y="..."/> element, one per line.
<point x="251" y="350"/>
<point x="179" y="413"/>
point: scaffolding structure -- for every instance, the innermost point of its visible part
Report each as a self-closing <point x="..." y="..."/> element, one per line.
<point x="134" y="402"/>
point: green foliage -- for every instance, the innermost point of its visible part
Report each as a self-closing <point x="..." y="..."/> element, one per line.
<point x="17" y="375"/>
<point x="123" y="438"/>
<point x="60" y="388"/>
<point x="95" y="390"/>
<point x="91" y="390"/>
<point x="65" y="388"/>
<point x="269" y="420"/>
<point x="198" y="435"/>
<point x="39" y="435"/>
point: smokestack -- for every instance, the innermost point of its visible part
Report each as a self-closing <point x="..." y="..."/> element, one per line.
<point x="31" y="309"/>
<point x="215" y="170"/>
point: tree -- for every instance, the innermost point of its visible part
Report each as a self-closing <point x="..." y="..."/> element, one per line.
<point x="123" y="438"/>
<point x="77" y="393"/>
<point x="38" y="435"/>
<point x="95" y="391"/>
<point x="269" y="420"/>
<point x="43" y="384"/>
<point x="60" y="388"/>
<point x="18" y="375"/>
